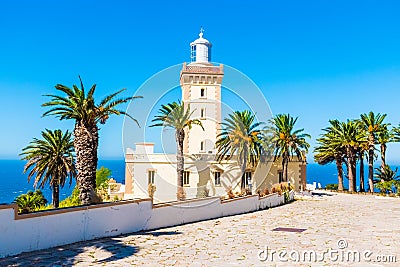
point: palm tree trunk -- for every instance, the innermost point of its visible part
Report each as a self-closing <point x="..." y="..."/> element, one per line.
<point x="285" y="166"/>
<point x="350" y="168"/>
<point x="180" y="136"/>
<point x="55" y="195"/>
<point x="371" y="167"/>
<point x="340" y="173"/>
<point x="355" y="173"/>
<point x="243" y="171"/>
<point x="383" y="156"/>
<point x="85" y="143"/>
<point x="361" y="157"/>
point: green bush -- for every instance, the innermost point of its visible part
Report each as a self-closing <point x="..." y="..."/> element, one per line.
<point x="331" y="187"/>
<point x="30" y="202"/>
<point x="103" y="176"/>
<point x="71" y="201"/>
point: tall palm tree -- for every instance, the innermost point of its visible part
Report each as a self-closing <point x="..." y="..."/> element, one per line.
<point x="385" y="135"/>
<point x="329" y="150"/>
<point x="240" y="137"/>
<point x="372" y="125"/>
<point x="287" y="141"/>
<point x="176" y="116"/>
<point x="349" y="138"/>
<point x="79" y="105"/>
<point x="51" y="161"/>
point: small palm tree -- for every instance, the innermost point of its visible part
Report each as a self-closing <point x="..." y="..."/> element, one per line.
<point x="240" y="137"/>
<point x="176" y="116"/>
<point x="30" y="202"/>
<point x="51" y="161"/>
<point x="386" y="174"/>
<point x="329" y="150"/>
<point x="372" y="125"/>
<point x="80" y="106"/>
<point x="386" y="179"/>
<point x="287" y="140"/>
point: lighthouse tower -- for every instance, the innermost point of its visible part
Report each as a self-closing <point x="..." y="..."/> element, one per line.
<point x="201" y="81"/>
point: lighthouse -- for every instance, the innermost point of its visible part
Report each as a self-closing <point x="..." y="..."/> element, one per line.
<point x="201" y="81"/>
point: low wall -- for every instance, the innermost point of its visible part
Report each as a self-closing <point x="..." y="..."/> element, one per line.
<point x="41" y="230"/>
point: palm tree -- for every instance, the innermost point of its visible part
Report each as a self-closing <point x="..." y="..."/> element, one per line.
<point x="372" y="125"/>
<point x="287" y="141"/>
<point x="30" y="202"/>
<point x="386" y="174"/>
<point x="328" y="150"/>
<point x="387" y="179"/>
<point x="385" y="136"/>
<point x="51" y="161"/>
<point x="79" y="105"/>
<point x="349" y="138"/>
<point x="176" y="116"/>
<point x="240" y="137"/>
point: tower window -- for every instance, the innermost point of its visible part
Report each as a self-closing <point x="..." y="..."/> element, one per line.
<point x="186" y="175"/>
<point x="203" y="113"/>
<point x="150" y="176"/>
<point x="217" y="178"/>
<point x="193" y="53"/>
<point x="203" y="92"/>
<point x="202" y="146"/>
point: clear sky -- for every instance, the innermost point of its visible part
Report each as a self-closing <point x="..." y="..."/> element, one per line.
<point x="317" y="60"/>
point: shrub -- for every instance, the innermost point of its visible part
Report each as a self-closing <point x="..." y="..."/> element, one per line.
<point x="30" y="202"/>
<point x="151" y="189"/>
<point x="260" y="193"/>
<point x="181" y="194"/>
<point x="103" y="176"/>
<point x="230" y="193"/>
<point x="266" y="191"/>
<point x="71" y="201"/>
<point x="331" y="187"/>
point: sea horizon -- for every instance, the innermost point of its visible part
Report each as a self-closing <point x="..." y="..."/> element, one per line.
<point x="13" y="181"/>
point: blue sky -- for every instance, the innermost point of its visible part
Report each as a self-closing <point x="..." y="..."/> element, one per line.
<point x="314" y="59"/>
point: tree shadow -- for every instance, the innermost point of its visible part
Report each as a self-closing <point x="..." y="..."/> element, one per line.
<point x="98" y="251"/>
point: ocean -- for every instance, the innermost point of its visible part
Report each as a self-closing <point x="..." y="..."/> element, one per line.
<point x="13" y="182"/>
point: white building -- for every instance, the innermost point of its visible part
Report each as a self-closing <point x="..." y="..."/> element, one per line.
<point x="201" y="82"/>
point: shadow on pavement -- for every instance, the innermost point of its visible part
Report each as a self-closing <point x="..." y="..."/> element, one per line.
<point x="99" y="251"/>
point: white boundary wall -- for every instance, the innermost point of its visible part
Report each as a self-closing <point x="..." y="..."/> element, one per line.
<point x="41" y="230"/>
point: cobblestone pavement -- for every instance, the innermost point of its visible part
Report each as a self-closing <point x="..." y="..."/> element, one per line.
<point x="344" y="223"/>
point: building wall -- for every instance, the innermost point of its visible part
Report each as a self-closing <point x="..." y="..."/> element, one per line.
<point x="41" y="230"/>
<point x="201" y="179"/>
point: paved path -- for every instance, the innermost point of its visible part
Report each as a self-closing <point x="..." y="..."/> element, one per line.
<point x="362" y="222"/>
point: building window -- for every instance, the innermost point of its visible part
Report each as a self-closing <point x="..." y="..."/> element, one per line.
<point x="280" y="175"/>
<point x="202" y="146"/>
<point x="217" y="178"/>
<point x="150" y="176"/>
<point x="202" y="92"/>
<point x="193" y="53"/>
<point x="203" y="113"/>
<point x="186" y="175"/>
